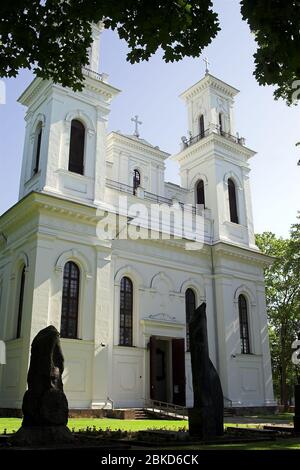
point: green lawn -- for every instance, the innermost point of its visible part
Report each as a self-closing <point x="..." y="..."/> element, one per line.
<point x="13" y="424"/>
<point x="279" y="417"/>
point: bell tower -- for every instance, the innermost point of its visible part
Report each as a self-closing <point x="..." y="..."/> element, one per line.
<point x="65" y="139"/>
<point x="214" y="161"/>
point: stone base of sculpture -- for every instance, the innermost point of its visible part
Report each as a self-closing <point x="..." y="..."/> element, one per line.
<point x="202" y="424"/>
<point x="42" y="435"/>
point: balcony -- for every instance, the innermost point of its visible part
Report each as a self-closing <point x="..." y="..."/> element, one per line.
<point x="213" y="129"/>
<point x="102" y="77"/>
<point x="155" y="198"/>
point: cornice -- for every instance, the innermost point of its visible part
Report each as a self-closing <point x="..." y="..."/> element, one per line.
<point x="116" y="138"/>
<point x="212" y="139"/>
<point x="206" y="82"/>
<point x="243" y="253"/>
<point x="90" y="84"/>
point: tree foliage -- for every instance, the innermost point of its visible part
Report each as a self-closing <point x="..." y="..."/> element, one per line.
<point x="283" y="306"/>
<point x="52" y="36"/>
<point x="276" y="24"/>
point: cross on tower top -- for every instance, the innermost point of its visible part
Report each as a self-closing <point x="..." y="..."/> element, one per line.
<point x="137" y="122"/>
<point x="207" y="64"/>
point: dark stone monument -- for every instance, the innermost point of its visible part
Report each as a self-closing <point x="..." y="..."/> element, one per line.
<point x="297" y="409"/>
<point x="206" y="418"/>
<point x="45" y="406"/>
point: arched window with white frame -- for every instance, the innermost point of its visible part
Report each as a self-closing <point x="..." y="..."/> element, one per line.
<point x="70" y="301"/>
<point x="126" y="312"/>
<point x="244" y="324"/>
<point x="221" y="123"/>
<point x="200" y="193"/>
<point x="77" y="145"/>
<point x="21" y="294"/>
<point x="37" y="147"/>
<point x="136" y="180"/>
<point x="190" y="306"/>
<point x="232" y="197"/>
<point x="201" y="126"/>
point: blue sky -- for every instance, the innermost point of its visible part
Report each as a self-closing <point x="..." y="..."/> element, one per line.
<point x="151" y="90"/>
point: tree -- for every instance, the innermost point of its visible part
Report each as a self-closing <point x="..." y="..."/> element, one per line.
<point x="276" y="25"/>
<point x="52" y="36"/>
<point x="283" y="306"/>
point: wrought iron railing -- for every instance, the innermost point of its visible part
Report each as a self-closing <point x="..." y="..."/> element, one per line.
<point x="213" y="130"/>
<point x="199" y="209"/>
<point x="227" y="402"/>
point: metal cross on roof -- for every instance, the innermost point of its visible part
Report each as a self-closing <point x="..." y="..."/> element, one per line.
<point x="137" y="122"/>
<point x="207" y="64"/>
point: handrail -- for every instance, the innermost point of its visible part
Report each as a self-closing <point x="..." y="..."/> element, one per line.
<point x="97" y="76"/>
<point x="227" y="402"/>
<point x="156" y="198"/>
<point x="111" y="402"/>
<point x="213" y="130"/>
<point x="165" y="408"/>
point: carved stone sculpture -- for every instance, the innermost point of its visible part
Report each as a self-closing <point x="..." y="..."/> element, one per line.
<point x="45" y="406"/>
<point x="206" y="418"/>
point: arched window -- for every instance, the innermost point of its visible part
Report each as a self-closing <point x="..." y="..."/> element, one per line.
<point x="232" y="202"/>
<point x="190" y="305"/>
<point x="20" y="302"/>
<point x="244" y="326"/>
<point x="70" y="301"/>
<point x="76" y="152"/>
<point x="136" y="180"/>
<point x="221" y="127"/>
<point x="126" y="312"/>
<point x="37" y="148"/>
<point x="201" y="126"/>
<point x="200" y="194"/>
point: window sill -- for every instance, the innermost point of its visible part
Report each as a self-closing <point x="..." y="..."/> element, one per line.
<point x="250" y="356"/>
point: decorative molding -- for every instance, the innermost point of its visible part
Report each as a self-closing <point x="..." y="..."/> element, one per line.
<point x="244" y="290"/>
<point x="162" y="317"/>
<point x="81" y="115"/>
<point x="78" y="258"/>
<point x="231" y="175"/>
<point x="161" y="276"/>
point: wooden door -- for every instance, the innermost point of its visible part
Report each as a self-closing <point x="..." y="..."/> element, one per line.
<point x="153" y="368"/>
<point x="178" y="369"/>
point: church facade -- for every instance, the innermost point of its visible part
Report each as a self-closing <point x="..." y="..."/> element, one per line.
<point x="74" y="254"/>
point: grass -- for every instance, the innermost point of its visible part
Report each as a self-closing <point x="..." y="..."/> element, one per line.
<point x="279" y="417"/>
<point x="13" y="424"/>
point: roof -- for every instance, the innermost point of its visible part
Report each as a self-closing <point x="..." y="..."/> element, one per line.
<point x="210" y="81"/>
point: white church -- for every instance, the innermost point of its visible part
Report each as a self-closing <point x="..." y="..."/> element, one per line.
<point x="122" y="304"/>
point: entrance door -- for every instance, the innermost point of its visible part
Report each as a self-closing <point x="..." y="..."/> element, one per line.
<point x="178" y="366"/>
<point x="167" y="370"/>
<point x="159" y="369"/>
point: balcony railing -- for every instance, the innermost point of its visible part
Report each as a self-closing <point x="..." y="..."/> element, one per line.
<point x="125" y="188"/>
<point x="92" y="74"/>
<point x="212" y="130"/>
